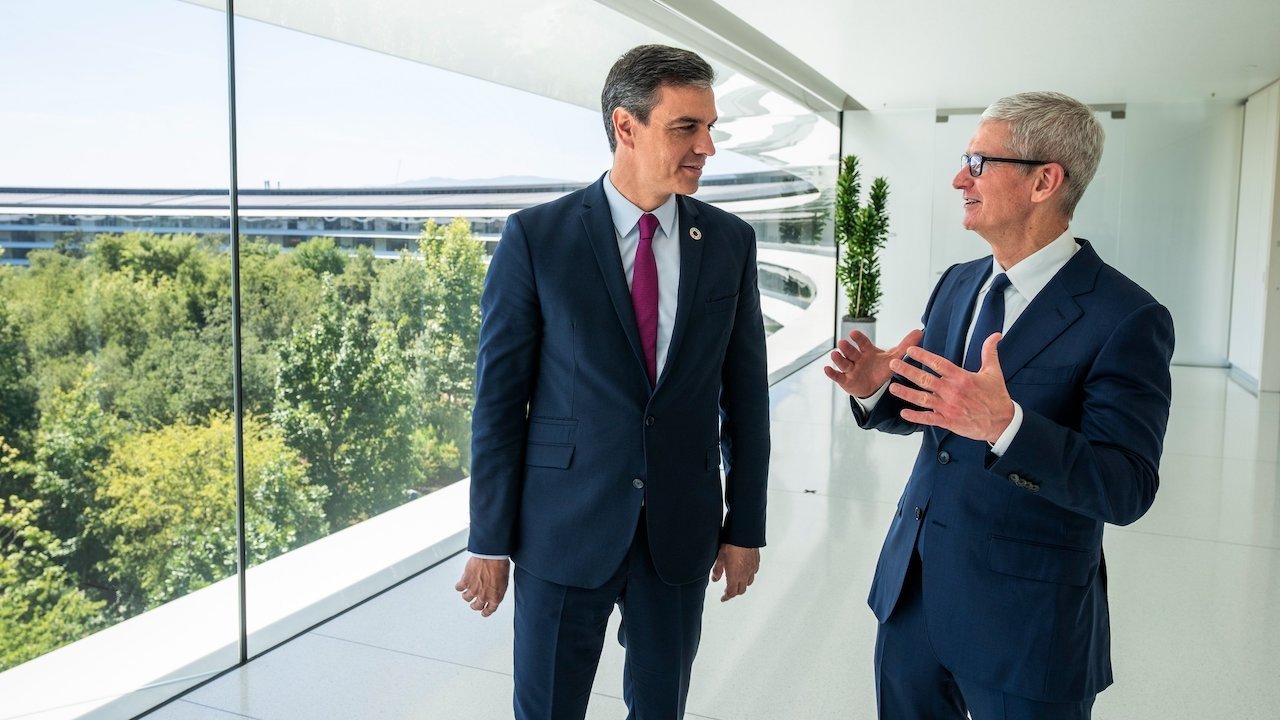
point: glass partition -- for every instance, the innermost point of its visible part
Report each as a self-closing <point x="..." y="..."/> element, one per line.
<point x="117" y="492"/>
<point x="379" y="151"/>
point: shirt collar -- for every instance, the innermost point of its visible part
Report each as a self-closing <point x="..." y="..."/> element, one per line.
<point x="626" y="215"/>
<point x="1036" y="270"/>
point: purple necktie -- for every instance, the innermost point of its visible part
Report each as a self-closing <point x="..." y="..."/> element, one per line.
<point x="644" y="295"/>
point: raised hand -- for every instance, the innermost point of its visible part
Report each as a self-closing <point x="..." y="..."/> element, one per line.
<point x="973" y="405"/>
<point x="861" y="367"/>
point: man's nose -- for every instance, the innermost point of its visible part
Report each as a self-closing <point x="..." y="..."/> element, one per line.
<point x="705" y="145"/>
<point x="962" y="179"/>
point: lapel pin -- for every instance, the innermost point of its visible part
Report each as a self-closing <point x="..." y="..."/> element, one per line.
<point x="695" y="233"/>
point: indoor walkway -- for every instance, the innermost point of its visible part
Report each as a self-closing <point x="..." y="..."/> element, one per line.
<point x="1194" y="588"/>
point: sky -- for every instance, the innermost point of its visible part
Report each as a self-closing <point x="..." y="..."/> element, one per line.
<point x="133" y="93"/>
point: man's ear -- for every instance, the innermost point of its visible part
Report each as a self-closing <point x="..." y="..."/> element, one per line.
<point x="1050" y="181"/>
<point x="624" y="127"/>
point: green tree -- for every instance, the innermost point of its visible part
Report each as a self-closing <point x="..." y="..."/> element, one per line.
<point x="343" y="402"/>
<point x="17" y="392"/>
<point x="320" y="256"/>
<point x="165" y="508"/>
<point x="445" y="373"/>
<point x="72" y="445"/>
<point x="40" y="606"/>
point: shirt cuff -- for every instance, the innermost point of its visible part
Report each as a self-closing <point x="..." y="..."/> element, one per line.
<point x="868" y="404"/>
<point x="1006" y="437"/>
<point x="489" y="557"/>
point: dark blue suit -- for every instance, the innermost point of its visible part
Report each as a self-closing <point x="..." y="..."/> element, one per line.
<point x="569" y="440"/>
<point x="1011" y="562"/>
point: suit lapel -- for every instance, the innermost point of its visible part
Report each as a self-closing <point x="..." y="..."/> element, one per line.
<point x="1052" y="311"/>
<point x="597" y="222"/>
<point x="690" y="266"/>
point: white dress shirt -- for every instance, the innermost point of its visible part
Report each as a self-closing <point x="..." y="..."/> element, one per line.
<point x="666" y="251"/>
<point x="1026" y="280"/>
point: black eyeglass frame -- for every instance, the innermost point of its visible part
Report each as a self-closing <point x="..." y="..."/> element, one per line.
<point x="983" y="159"/>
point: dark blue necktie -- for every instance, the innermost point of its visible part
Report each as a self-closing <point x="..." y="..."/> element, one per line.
<point x="990" y="320"/>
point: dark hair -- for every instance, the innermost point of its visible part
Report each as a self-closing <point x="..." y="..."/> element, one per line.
<point x="634" y="80"/>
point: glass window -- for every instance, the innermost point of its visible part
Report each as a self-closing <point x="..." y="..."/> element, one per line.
<point x="116" y="429"/>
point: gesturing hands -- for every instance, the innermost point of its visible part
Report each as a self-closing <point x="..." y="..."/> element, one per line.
<point x="972" y="405"/>
<point x="861" y="367"/>
<point x="484" y="583"/>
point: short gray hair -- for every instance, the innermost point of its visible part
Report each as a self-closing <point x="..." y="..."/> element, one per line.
<point x="634" y="81"/>
<point x="1057" y="128"/>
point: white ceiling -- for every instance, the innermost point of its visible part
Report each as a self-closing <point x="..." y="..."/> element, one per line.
<point x="891" y="54"/>
<point x="885" y="54"/>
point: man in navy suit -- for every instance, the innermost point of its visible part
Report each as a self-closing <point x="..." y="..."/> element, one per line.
<point x="621" y="359"/>
<point x="1041" y="387"/>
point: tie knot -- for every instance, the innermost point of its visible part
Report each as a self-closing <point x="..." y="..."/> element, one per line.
<point x="1000" y="283"/>
<point x="648" y="224"/>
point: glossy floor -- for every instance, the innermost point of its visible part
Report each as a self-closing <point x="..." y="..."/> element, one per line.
<point x="1195" y="593"/>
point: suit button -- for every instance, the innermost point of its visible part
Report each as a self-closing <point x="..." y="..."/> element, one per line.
<point x="648" y="422"/>
<point x="1015" y="478"/>
<point x="637" y="483"/>
<point x="919" y="513"/>
<point x="944" y="457"/>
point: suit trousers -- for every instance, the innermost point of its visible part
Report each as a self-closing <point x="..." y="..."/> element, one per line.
<point x="560" y="632"/>
<point x="911" y="683"/>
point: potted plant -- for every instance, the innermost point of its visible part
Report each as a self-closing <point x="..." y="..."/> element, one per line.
<point x="860" y="232"/>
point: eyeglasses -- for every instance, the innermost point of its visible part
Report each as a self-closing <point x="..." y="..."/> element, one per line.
<point x="975" y="163"/>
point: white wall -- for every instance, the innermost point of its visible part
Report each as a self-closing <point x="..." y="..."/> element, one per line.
<point x="1161" y="209"/>
<point x="898" y="146"/>
<point x="1255" y="320"/>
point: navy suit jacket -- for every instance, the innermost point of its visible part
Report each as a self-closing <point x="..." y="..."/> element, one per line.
<point x="568" y="438"/>
<point x="1015" y="584"/>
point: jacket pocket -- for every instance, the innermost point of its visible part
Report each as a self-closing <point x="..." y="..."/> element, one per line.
<point x="1037" y="561"/>
<point x="722" y="304"/>
<point x="548" y="455"/>
<point x="555" y="431"/>
<point x="1032" y="375"/>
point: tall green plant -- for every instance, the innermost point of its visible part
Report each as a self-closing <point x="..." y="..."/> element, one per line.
<point x="860" y="232"/>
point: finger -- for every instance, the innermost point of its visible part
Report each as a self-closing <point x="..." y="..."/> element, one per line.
<point x="468" y="596"/>
<point x="489" y="609"/>
<point x="861" y="340"/>
<point x="850" y="350"/>
<point x="921" y="417"/>
<point x="462" y="584"/>
<point x="919" y="398"/>
<point x="920" y="377"/>
<point x="990" y="354"/>
<point x="937" y="363"/>
<point x="841" y="362"/>
<point x="477" y="604"/>
<point x="717" y="570"/>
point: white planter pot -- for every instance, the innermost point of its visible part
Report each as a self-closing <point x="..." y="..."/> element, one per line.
<point x="866" y="325"/>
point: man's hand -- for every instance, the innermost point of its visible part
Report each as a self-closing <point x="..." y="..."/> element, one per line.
<point x="973" y="405"/>
<point x="484" y="583"/>
<point x="739" y="566"/>
<point x="861" y="367"/>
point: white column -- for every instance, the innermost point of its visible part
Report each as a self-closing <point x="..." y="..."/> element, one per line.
<point x="1254" y="348"/>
